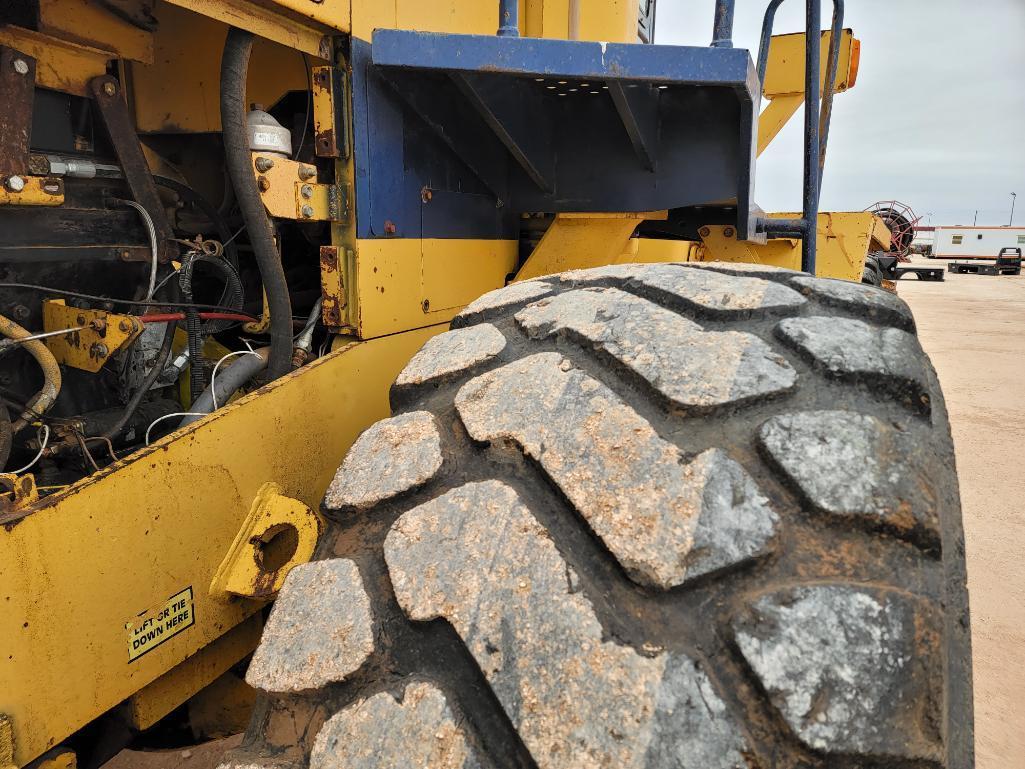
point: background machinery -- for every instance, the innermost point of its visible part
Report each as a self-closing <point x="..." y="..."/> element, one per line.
<point x="226" y="226"/>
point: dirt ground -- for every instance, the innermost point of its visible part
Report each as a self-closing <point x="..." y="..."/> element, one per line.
<point x="973" y="327"/>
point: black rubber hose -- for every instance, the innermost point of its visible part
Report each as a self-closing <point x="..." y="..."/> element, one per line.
<point x="158" y="367"/>
<point x="234" y="66"/>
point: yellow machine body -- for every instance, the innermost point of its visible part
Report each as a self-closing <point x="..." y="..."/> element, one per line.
<point x="140" y="585"/>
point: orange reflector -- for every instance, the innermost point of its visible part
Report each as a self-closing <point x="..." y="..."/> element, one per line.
<point x="852" y="73"/>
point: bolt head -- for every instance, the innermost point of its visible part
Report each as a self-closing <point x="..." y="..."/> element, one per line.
<point x="704" y="232"/>
<point x="263" y="183"/>
<point x="15" y="183"/>
<point x="263" y="165"/>
<point x="123" y="326"/>
<point x="307" y="172"/>
<point x="307" y="212"/>
<point x="109" y="88"/>
<point x="99" y="350"/>
<point x="728" y="232"/>
<point x="20" y="312"/>
<point x="20" y="66"/>
<point x="307" y="191"/>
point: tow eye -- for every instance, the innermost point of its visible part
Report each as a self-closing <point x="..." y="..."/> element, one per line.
<point x="280" y="532"/>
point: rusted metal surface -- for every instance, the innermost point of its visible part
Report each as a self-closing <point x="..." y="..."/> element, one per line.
<point x="17" y="82"/>
<point x="329" y="103"/>
<point x="17" y="492"/>
<point x="332" y="286"/>
<point x="114" y="112"/>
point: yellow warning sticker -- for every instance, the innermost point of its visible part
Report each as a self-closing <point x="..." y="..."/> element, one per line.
<point x="160" y="624"/>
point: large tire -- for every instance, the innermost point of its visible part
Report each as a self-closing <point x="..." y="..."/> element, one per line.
<point x="638" y="516"/>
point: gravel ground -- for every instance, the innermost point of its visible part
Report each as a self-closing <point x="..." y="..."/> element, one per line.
<point x="972" y="326"/>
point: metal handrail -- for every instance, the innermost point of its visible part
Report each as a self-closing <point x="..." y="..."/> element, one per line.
<point x="508" y="18"/>
<point x="816" y="120"/>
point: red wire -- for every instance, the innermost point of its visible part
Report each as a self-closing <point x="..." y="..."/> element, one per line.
<point x="169" y="316"/>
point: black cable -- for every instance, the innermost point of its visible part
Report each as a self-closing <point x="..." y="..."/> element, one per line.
<point x="158" y="367"/>
<point x="238" y="47"/>
<point x="132" y="302"/>
<point x="204" y="205"/>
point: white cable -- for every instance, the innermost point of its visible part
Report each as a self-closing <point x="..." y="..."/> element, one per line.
<point x="213" y="376"/>
<point x="168" y="416"/>
<point x="42" y="448"/>
<point x="152" y="246"/>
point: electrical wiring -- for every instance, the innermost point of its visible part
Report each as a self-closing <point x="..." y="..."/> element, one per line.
<point x="154" y="256"/>
<point x="169" y="316"/>
<point x="112" y="300"/>
<point x="213" y="376"/>
<point x="45" y="429"/>
<point x="168" y="416"/>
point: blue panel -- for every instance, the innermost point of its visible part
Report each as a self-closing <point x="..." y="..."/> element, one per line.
<point x="583" y="126"/>
<point x="398" y="155"/>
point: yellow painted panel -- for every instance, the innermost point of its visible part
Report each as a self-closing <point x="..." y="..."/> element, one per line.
<point x="86" y="23"/>
<point x="330" y="13"/>
<point x="180" y="91"/>
<point x="777" y="113"/>
<point x="844" y="240"/>
<point x="395" y="278"/>
<point x="264" y="23"/>
<point x="579" y="242"/>
<point x="60" y="65"/>
<point x="784" y="72"/>
<point x="654" y="250"/>
<point x="81" y="564"/>
<point x="170" y="690"/>
<point x="459" y="16"/>
<point x="613" y="21"/>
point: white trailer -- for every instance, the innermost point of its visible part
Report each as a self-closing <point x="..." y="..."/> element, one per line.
<point x="975" y="242"/>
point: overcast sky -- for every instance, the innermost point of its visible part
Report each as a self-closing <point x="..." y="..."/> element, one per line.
<point x="936" y="120"/>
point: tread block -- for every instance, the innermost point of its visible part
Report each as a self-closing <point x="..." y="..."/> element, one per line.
<point x="691" y="367"/>
<point x="319" y="632"/>
<point x="850" y="669"/>
<point x="873" y="303"/>
<point x="393" y="456"/>
<point x="478" y="558"/>
<point x="857" y="467"/>
<point x="451" y="354"/>
<point x="704" y="292"/>
<point x="492" y="303"/>
<point x="664" y="520"/>
<point x="888" y="359"/>
<point x="381" y="732"/>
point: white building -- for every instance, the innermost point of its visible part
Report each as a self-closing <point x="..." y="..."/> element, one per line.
<point x="976" y="242"/>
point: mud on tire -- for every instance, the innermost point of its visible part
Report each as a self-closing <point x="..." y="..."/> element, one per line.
<point x="639" y="516"/>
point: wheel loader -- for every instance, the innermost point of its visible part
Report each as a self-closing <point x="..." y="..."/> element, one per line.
<point x="419" y="383"/>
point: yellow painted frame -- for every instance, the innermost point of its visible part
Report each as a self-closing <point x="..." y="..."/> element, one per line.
<point x="81" y="563"/>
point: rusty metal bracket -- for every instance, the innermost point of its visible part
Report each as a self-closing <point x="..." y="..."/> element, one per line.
<point x="35" y="191"/>
<point x="330" y="102"/>
<point x="279" y="533"/>
<point x="113" y="111"/>
<point x="17" y="87"/>
<point x="99" y="334"/>
<point x="17" y="492"/>
<point x="290" y="190"/>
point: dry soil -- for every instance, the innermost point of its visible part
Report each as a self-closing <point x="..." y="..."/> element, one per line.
<point x="973" y="327"/>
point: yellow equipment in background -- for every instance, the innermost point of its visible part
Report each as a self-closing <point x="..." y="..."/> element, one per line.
<point x="137" y="561"/>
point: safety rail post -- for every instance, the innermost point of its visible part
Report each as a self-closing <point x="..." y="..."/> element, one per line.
<point x="816" y="121"/>
<point x="508" y="18"/>
<point x="722" y="30"/>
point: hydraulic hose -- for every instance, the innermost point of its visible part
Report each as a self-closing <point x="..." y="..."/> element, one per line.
<point x="51" y="372"/>
<point x="226" y="383"/>
<point x="234" y="67"/>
